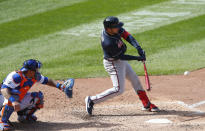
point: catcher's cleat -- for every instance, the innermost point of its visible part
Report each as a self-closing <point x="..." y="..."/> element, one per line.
<point x="151" y="107"/>
<point x="26" y="119"/>
<point x="89" y="105"/>
<point x="4" y="126"/>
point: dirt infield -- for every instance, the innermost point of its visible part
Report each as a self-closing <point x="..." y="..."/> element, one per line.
<point x="181" y="99"/>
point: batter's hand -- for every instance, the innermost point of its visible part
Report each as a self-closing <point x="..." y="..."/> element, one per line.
<point x="140" y="58"/>
<point x="16" y="106"/>
<point x="141" y="52"/>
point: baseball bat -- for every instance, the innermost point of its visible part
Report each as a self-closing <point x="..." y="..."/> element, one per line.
<point x="147" y="81"/>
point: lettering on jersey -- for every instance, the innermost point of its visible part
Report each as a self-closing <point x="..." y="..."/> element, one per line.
<point x="120" y="44"/>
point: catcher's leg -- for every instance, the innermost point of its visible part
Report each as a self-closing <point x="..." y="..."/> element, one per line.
<point x="133" y="78"/>
<point x="6" y="112"/>
<point x="1" y="101"/>
<point x="116" y="70"/>
<point x="29" y="105"/>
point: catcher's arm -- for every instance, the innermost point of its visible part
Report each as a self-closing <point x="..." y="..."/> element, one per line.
<point x="51" y="83"/>
<point x="66" y="87"/>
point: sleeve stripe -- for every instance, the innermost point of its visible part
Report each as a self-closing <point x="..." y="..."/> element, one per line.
<point x="125" y="34"/>
<point x="42" y="79"/>
<point x="45" y="80"/>
<point x="4" y="86"/>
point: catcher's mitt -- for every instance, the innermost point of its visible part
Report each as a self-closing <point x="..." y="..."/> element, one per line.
<point x="67" y="87"/>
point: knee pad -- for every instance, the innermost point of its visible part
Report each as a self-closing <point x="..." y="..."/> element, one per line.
<point x="38" y="99"/>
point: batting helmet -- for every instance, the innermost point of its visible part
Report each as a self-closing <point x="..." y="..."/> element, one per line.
<point x="112" y="22"/>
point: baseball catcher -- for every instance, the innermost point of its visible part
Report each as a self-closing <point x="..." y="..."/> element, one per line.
<point x="15" y="96"/>
<point x="115" y="63"/>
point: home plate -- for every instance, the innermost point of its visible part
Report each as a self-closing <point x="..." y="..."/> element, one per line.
<point x="160" y="121"/>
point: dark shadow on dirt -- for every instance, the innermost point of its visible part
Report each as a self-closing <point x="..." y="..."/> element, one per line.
<point x="53" y="126"/>
<point x="185" y="115"/>
<point x="162" y="112"/>
<point x="181" y="113"/>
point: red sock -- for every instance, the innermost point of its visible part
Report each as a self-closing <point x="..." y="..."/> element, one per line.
<point x="143" y="97"/>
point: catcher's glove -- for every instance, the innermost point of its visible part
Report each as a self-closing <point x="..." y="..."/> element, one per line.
<point x="67" y="87"/>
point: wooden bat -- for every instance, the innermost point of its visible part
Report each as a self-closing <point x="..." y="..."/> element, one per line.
<point x="147" y="81"/>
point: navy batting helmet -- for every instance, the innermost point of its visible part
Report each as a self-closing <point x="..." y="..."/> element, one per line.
<point x="31" y="64"/>
<point x="112" y="22"/>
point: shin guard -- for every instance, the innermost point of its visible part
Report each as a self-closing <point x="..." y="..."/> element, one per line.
<point x="6" y="113"/>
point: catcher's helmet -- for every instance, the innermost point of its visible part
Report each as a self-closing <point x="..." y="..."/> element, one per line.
<point x="31" y="64"/>
<point x="112" y="22"/>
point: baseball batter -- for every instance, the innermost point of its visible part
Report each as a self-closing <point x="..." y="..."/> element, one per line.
<point x="15" y="96"/>
<point x="115" y="63"/>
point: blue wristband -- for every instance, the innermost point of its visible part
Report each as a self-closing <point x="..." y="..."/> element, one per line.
<point x="58" y="85"/>
<point x="12" y="99"/>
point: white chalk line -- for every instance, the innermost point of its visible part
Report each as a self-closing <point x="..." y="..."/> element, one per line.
<point x="197" y="111"/>
<point x="197" y="104"/>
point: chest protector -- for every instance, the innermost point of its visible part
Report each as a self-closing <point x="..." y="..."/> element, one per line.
<point x="24" y="87"/>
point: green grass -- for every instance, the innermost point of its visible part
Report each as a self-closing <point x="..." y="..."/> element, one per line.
<point x="55" y="20"/>
<point x="170" y="49"/>
<point x="183" y="35"/>
<point x="2" y="0"/>
<point x="155" y="42"/>
<point x="15" y="9"/>
<point x="174" y="35"/>
<point x="179" y="59"/>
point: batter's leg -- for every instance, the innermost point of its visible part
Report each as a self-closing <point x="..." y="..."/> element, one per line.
<point x="133" y="78"/>
<point x="136" y="84"/>
<point x="116" y="70"/>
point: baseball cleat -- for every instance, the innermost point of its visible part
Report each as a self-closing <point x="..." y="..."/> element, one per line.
<point x="151" y="107"/>
<point x="89" y="105"/>
<point x="154" y="108"/>
<point x="4" y="126"/>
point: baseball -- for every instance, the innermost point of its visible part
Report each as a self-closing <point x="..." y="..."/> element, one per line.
<point x="186" y="73"/>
